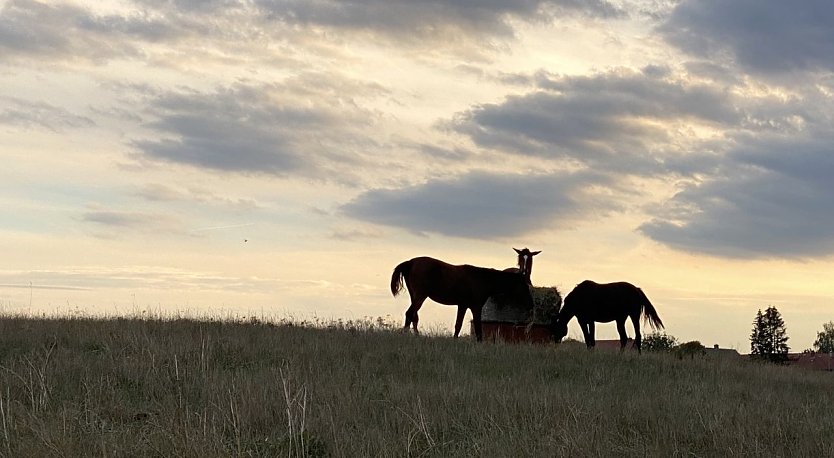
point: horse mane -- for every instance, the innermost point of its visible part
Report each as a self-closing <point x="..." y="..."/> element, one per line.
<point x="574" y="298"/>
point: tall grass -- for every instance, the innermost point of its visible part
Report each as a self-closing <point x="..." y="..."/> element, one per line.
<point x="155" y="387"/>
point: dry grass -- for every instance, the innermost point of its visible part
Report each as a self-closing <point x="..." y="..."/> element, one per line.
<point x="155" y="387"/>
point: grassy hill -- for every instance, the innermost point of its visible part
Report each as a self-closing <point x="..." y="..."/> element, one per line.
<point x="132" y="387"/>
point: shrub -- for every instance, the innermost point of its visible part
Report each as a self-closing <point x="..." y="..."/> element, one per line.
<point x="659" y="341"/>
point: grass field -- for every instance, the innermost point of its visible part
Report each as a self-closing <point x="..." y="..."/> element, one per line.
<point x="175" y="387"/>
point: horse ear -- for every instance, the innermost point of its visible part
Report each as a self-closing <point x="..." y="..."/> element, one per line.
<point x="517" y="250"/>
<point x="535" y="253"/>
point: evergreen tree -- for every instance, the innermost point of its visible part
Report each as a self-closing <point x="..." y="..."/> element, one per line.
<point x="769" y="338"/>
<point x="825" y="338"/>
<point x="756" y="344"/>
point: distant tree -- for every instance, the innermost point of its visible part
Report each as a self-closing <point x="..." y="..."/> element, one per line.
<point x="689" y="350"/>
<point x="825" y="338"/>
<point x="659" y="341"/>
<point x="768" y="341"/>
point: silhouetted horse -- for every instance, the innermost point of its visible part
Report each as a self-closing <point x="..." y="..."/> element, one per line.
<point x="525" y="263"/>
<point x="466" y="286"/>
<point x="592" y="302"/>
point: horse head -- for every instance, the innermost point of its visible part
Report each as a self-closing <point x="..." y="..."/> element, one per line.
<point x="525" y="260"/>
<point x="559" y="329"/>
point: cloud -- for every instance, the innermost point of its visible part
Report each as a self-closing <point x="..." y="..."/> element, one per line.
<point x="65" y="31"/>
<point x="485" y="205"/>
<point x="430" y="18"/>
<point x="157" y="192"/>
<point x="31" y="114"/>
<point x="121" y="222"/>
<point x="772" y="200"/>
<point x="763" y="37"/>
<point x="277" y="129"/>
<point x="84" y="278"/>
<point x="618" y="120"/>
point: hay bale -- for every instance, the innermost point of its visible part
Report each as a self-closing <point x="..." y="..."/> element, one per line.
<point x="546" y="304"/>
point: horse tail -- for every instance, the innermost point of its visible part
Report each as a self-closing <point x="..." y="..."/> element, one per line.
<point x="649" y="313"/>
<point x="397" y="277"/>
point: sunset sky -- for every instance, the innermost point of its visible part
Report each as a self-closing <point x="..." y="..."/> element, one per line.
<point x="280" y="157"/>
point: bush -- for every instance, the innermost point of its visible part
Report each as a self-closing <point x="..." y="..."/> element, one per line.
<point x="690" y="350"/>
<point x="659" y="341"/>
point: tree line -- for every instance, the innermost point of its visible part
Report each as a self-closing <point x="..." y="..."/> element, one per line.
<point x="768" y="339"/>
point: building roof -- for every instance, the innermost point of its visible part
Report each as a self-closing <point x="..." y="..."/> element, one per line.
<point x="716" y="352"/>
<point x="811" y="360"/>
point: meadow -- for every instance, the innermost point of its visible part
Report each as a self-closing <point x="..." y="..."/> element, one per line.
<point x="182" y="387"/>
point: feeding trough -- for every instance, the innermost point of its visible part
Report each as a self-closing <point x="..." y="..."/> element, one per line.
<point x="511" y="322"/>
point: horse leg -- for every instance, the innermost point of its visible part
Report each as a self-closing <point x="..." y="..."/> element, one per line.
<point x="635" y="320"/>
<point x="588" y="333"/>
<point x="591" y="334"/>
<point x="623" y="336"/>
<point x="411" y="317"/>
<point x="476" y="322"/>
<point x="459" y="319"/>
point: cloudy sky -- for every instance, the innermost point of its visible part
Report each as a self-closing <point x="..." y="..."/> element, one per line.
<point x="280" y="157"/>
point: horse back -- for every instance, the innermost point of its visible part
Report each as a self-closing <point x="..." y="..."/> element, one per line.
<point x="450" y="284"/>
<point x="604" y="302"/>
<point x="442" y="282"/>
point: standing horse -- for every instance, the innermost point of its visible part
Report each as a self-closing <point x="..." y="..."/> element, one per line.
<point x="525" y="263"/>
<point x="466" y="286"/>
<point x="592" y="302"/>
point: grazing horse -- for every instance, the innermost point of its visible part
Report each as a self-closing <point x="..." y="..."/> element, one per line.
<point x="592" y="302"/>
<point x="525" y="263"/>
<point x="466" y="286"/>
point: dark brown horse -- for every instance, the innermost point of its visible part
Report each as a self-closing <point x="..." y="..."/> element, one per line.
<point x="525" y="263"/>
<point x="592" y="302"/>
<point x="466" y="286"/>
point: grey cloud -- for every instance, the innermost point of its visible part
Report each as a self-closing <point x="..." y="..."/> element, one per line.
<point x="156" y="192"/>
<point x="485" y="205"/>
<point x="65" y="31"/>
<point x="120" y="221"/>
<point x="31" y="114"/>
<point x="609" y="119"/>
<point x="257" y="129"/>
<point x="427" y="17"/>
<point x="766" y="37"/>
<point x="773" y="199"/>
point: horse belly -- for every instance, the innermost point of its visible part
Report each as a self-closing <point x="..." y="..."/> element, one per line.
<point x="598" y="316"/>
<point x="446" y="299"/>
<point x="604" y="318"/>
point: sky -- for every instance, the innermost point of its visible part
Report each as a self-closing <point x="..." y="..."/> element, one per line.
<point x="279" y="157"/>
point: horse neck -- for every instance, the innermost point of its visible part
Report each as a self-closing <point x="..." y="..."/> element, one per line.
<point x="496" y="280"/>
<point x="567" y="311"/>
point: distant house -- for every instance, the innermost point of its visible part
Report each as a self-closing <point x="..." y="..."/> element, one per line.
<point x="717" y="352"/>
<point x="812" y="360"/>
